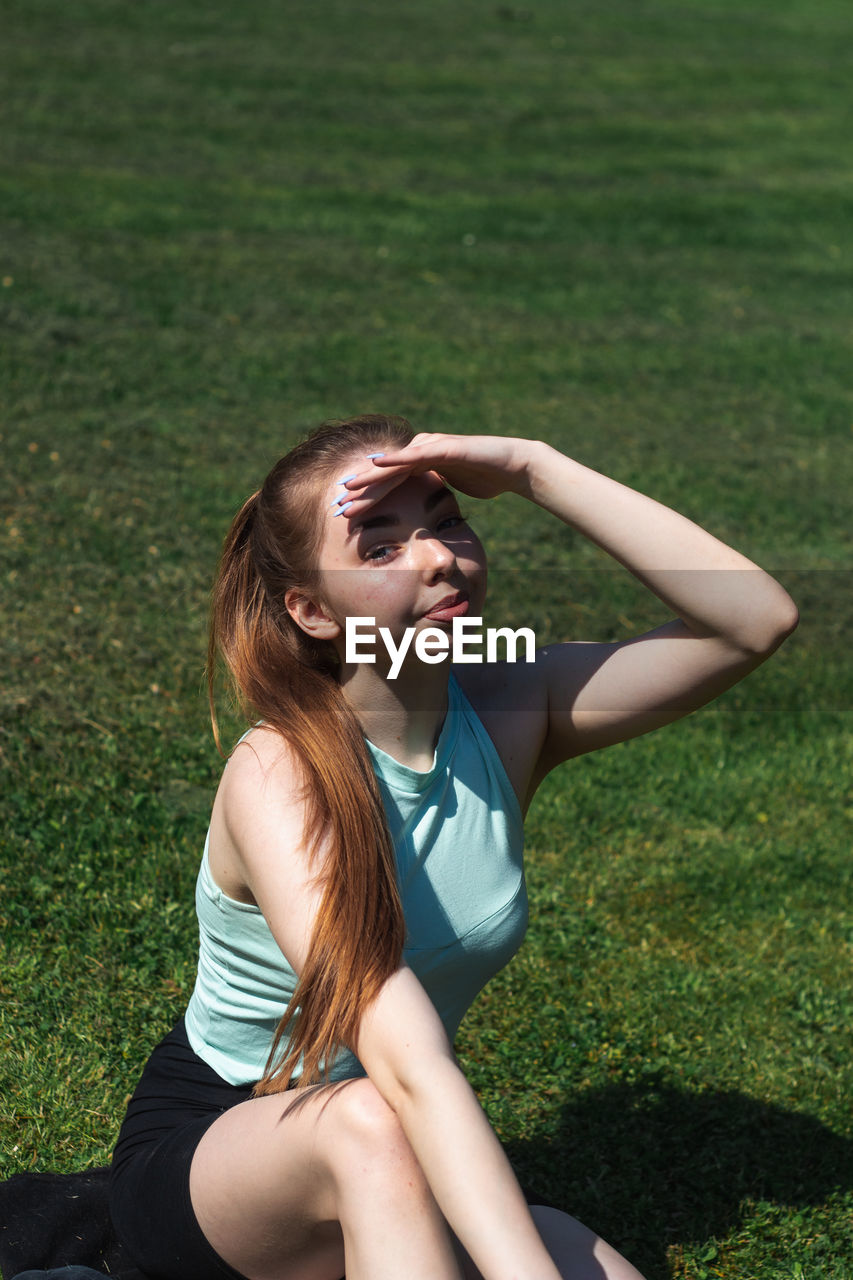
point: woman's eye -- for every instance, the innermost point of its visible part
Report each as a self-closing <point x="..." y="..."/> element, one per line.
<point x="379" y="553"/>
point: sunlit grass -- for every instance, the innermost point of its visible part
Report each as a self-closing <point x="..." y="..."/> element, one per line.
<point x="621" y="229"/>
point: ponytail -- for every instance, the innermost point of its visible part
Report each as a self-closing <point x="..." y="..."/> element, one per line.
<point x="289" y="680"/>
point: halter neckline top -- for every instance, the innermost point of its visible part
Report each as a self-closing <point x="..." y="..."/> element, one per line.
<point x="458" y="836"/>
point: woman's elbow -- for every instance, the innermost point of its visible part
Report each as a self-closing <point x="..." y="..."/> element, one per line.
<point x="772" y="623"/>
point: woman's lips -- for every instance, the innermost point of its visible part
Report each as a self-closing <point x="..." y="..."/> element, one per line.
<point x="456" y="607"/>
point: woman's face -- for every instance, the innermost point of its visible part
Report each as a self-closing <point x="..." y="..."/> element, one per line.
<point x="410" y="560"/>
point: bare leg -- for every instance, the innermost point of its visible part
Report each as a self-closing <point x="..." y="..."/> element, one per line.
<point x="304" y="1189"/>
<point x="578" y="1252"/>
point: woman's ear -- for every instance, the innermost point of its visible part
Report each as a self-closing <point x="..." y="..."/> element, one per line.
<point x="310" y="615"/>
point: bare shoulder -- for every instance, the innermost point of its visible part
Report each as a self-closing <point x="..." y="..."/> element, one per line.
<point x="260" y="791"/>
<point x="511" y="701"/>
<point x="260" y="851"/>
<point x="262" y="761"/>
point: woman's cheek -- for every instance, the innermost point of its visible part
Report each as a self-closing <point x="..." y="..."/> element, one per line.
<point x="375" y="595"/>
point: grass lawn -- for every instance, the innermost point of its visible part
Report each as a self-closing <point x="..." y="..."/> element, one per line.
<point x="623" y="229"/>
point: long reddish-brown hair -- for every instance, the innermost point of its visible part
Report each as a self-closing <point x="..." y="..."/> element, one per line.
<point x="289" y="680"/>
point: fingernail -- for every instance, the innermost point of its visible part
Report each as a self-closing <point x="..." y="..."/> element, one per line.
<point x="343" y="508"/>
<point x="352" y="477"/>
<point x="376" y="455"/>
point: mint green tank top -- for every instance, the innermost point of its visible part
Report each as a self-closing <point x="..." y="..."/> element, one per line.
<point x="458" y="835"/>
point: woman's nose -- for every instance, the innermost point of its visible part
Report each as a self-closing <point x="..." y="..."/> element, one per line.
<point x="433" y="554"/>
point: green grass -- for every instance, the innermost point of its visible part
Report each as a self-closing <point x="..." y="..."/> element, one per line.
<point x="623" y="229"/>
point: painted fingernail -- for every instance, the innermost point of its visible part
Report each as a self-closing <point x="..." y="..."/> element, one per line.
<point x="343" y="508"/>
<point x="376" y="455"/>
<point x="352" y="477"/>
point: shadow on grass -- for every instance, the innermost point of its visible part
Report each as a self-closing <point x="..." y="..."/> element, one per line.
<point x="650" y="1166"/>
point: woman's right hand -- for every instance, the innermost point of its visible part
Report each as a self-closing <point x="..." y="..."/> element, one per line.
<point x="480" y="466"/>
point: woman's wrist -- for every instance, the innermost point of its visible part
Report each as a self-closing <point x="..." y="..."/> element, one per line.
<point x="540" y="463"/>
<point x="533" y="468"/>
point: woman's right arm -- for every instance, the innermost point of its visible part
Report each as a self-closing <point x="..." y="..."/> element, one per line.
<point x="404" y="1049"/>
<point x="401" y="1040"/>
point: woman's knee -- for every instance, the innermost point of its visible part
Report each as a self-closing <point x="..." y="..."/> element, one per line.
<point x="368" y="1139"/>
<point x="364" y="1117"/>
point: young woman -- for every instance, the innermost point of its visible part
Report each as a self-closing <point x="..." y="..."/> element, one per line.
<point x="362" y="876"/>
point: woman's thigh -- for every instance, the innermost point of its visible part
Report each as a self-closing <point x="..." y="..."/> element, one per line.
<point x="286" y="1185"/>
<point x="262" y="1189"/>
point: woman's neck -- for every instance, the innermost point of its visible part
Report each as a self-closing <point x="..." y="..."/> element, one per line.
<point x="402" y="717"/>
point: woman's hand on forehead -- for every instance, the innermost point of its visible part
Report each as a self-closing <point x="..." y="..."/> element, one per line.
<point x="480" y="466"/>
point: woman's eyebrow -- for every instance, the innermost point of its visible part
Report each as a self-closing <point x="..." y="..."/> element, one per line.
<point x="390" y="518"/>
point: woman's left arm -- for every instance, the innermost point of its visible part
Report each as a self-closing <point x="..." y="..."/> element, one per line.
<point x="731" y="615"/>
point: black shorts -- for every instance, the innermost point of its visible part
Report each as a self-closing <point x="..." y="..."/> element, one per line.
<point x="178" y="1097"/>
